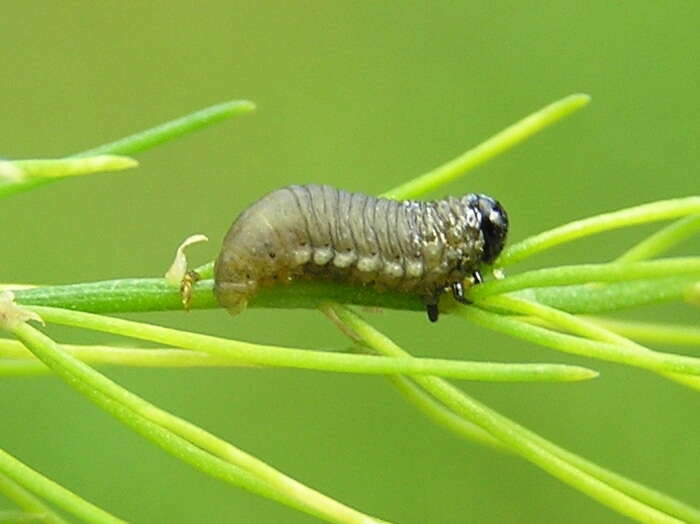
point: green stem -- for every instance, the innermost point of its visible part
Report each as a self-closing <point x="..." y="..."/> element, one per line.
<point x="154" y="294"/>
<point x="205" y="270"/>
<point x="677" y="335"/>
<point x="146" y="419"/>
<point x="309" y="359"/>
<point x="21" y="175"/>
<point x="55" y="493"/>
<point x="28" y="502"/>
<point x="582" y="327"/>
<point x="585" y="273"/>
<point x="122" y="356"/>
<point x="488" y="149"/>
<point x="662" y="240"/>
<point x="22" y="368"/>
<point x="594" y="298"/>
<point x="653" y="212"/>
<point x="172" y="129"/>
<point x="627" y="497"/>
<point x="20" y="517"/>
<point x="146" y="139"/>
<point x="118" y="296"/>
<point x="654" y="361"/>
<point x="443" y="416"/>
<point x="66" y="167"/>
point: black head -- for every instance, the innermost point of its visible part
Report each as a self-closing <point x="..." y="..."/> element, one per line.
<point x="494" y="225"/>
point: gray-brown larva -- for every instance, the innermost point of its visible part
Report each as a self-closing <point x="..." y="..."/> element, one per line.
<point x="321" y="232"/>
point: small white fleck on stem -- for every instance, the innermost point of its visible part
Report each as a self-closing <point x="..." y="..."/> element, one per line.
<point x="10" y="172"/>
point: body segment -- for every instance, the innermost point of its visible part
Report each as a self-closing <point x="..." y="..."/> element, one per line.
<point x="320" y="232"/>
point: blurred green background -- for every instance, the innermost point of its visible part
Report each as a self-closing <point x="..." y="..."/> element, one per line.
<point x="360" y="95"/>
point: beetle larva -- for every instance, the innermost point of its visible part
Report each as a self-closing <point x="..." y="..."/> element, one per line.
<point x="318" y="232"/>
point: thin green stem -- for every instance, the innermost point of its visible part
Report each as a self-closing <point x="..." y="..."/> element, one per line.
<point x="627" y="497"/>
<point x="55" y="493"/>
<point x="595" y="298"/>
<point x="668" y="334"/>
<point x="149" y="138"/>
<point x="28" y="502"/>
<point x="582" y="327"/>
<point x="66" y="167"/>
<point x="22" y="368"/>
<point x="205" y="270"/>
<point x="654" y="361"/>
<point x="122" y="356"/>
<point x="443" y="416"/>
<point x="19" y="517"/>
<point x="309" y="359"/>
<point x="146" y="419"/>
<point x="154" y="294"/>
<point x="117" y="296"/>
<point x="172" y="129"/>
<point x="639" y="491"/>
<point x="490" y="148"/>
<point x="585" y="273"/>
<point x="662" y="240"/>
<point x="198" y="436"/>
<point x="653" y="212"/>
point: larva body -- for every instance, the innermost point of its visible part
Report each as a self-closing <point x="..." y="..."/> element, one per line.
<point x="321" y="232"/>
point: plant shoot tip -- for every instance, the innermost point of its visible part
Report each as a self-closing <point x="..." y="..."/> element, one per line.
<point x="11" y="315"/>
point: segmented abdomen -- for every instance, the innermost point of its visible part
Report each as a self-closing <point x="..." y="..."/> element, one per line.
<point x="321" y="232"/>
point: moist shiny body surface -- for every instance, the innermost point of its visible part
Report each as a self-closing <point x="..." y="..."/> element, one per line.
<point x="320" y="232"/>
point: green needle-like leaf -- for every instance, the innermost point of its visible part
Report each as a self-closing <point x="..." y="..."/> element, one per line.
<point x="259" y="354"/>
<point x="582" y="327"/>
<point x="488" y="149"/>
<point x="654" y="212"/>
<point x="49" y="490"/>
<point x="584" y="273"/>
<point x="665" y="334"/>
<point x="614" y="296"/>
<point x="152" y="423"/>
<point x="139" y="142"/>
<point x="662" y="240"/>
<point x="624" y="496"/>
<point x="653" y="361"/>
<point x="27" y="501"/>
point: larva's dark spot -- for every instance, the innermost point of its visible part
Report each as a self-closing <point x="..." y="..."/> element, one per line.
<point x="302" y="232"/>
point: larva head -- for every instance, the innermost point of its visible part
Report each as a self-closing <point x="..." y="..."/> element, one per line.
<point x="494" y="226"/>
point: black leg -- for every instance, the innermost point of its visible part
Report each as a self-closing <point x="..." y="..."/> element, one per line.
<point x="476" y="276"/>
<point x="458" y="292"/>
<point x="432" y="309"/>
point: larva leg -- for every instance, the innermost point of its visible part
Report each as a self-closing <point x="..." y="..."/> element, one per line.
<point x="188" y="282"/>
<point x="431" y="306"/>
<point x="477" y="278"/>
<point x="458" y="292"/>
